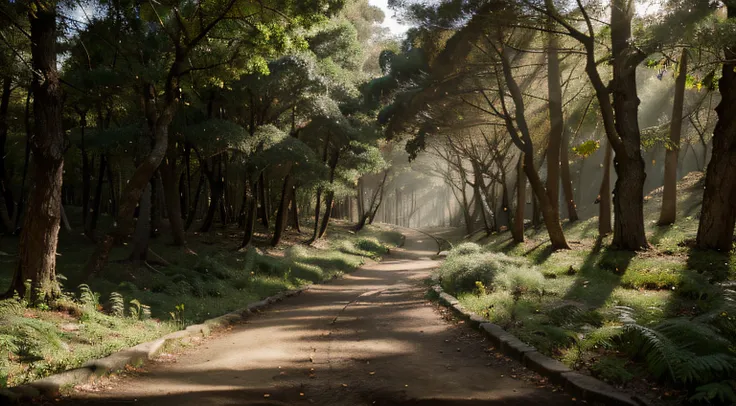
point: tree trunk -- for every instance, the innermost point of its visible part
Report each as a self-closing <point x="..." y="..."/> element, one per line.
<point x="155" y="202"/>
<point x="549" y="210"/>
<point x="380" y="197"/>
<point x="65" y="220"/>
<point x="536" y="212"/>
<point x="40" y="234"/>
<point x="550" y="216"/>
<point x="359" y="200"/>
<point x="114" y="192"/>
<point x="329" y="204"/>
<point x="628" y="200"/>
<point x="7" y="203"/>
<point x="142" y="234"/>
<point x="330" y="200"/>
<point x="133" y="190"/>
<point x="214" y="179"/>
<point x="505" y="211"/>
<point x="317" y="209"/>
<point x="669" y="193"/>
<point x="604" y="195"/>
<point x="556" y="125"/>
<point x="86" y="169"/>
<point x="572" y="212"/>
<point x="718" y="214"/>
<point x="193" y="210"/>
<point x="183" y="195"/>
<point x="283" y="209"/>
<point x="477" y="189"/>
<point x="91" y="226"/>
<point x="251" y="214"/>
<point x="172" y="196"/>
<point x="628" y="195"/>
<point x="294" y="212"/>
<point x="26" y="161"/>
<point x="263" y="209"/>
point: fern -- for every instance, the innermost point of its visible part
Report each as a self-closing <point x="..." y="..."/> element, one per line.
<point x="117" y="304"/>
<point x="669" y="355"/>
<point x="723" y="315"/>
<point x="566" y="313"/>
<point x="87" y="297"/>
<point x="11" y="307"/>
<point x="723" y="392"/>
<point x="139" y="311"/>
<point x="135" y="309"/>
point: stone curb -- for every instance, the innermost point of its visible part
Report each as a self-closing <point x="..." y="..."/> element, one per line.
<point x="583" y="387"/>
<point x="136" y="356"/>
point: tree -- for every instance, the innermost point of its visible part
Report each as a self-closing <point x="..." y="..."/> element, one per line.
<point x="620" y="112"/>
<point x="185" y="35"/>
<point x="718" y="214"/>
<point x="668" y="214"/>
<point x="39" y="235"/>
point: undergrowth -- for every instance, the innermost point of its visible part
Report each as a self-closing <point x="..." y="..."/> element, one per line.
<point x="666" y="315"/>
<point x="129" y="305"/>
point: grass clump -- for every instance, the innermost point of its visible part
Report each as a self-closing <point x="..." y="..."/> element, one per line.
<point x="369" y="247"/>
<point x="460" y="272"/>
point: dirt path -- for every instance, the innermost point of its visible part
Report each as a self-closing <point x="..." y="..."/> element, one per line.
<point x="370" y="338"/>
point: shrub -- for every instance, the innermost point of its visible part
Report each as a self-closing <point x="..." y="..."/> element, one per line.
<point x="520" y="280"/>
<point x="461" y="272"/>
<point x="612" y="370"/>
<point x="465" y="248"/>
<point x="371" y="245"/>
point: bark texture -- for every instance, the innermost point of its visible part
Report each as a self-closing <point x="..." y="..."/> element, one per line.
<point x="40" y="233"/>
<point x="718" y="214"/>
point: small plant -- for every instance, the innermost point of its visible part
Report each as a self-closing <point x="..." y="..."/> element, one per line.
<point x="613" y="370"/>
<point x="177" y="316"/>
<point x="139" y="311"/>
<point x="88" y="298"/>
<point x="722" y="392"/>
<point x="117" y="304"/>
<point x="480" y="288"/>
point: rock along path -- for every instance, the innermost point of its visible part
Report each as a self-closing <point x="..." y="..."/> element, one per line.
<point x="370" y="338"/>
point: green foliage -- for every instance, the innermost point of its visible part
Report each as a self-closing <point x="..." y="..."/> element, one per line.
<point x="586" y="149"/>
<point x="88" y="298"/>
<point x="466" y="265"/>
<point x="465" y="248"/>
<point x="177" y="316"/>
<point x="612" y="370"/>
<point x="215" y="136"/>
<point x="682" y="350"/>
<point x="723" y="392"/>
<point x="117" y="305"/>
<point x="138" y="310"/>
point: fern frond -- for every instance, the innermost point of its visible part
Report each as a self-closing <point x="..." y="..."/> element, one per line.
<point x="87" y="297"/>
<point x="117" y="304"/>
<point x="659" y="352"/>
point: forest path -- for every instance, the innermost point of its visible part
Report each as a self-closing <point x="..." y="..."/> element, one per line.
<point x="370" y="338"/>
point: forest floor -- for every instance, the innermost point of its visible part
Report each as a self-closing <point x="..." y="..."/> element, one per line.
<point x="370" y="338"/>
<point x="133" y="303"/>
<point x="650" y="322"/>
